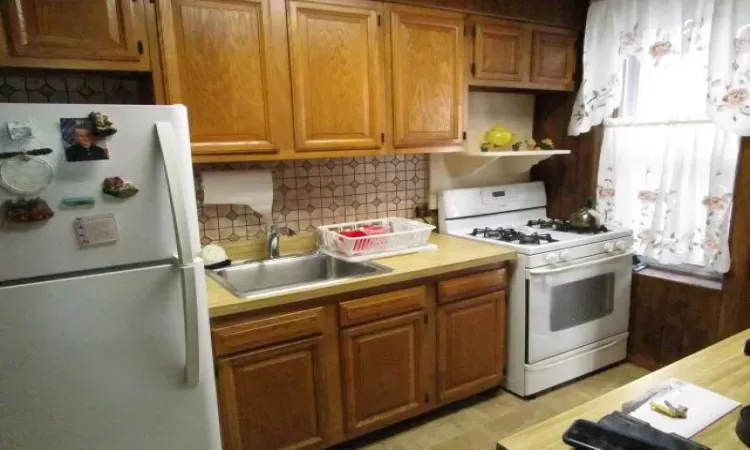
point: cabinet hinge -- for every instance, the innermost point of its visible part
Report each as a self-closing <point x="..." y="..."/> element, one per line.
<point x="473" y="69"/>
<point x="380" y="20"/>
<point x="425" y="320"/>
<point x="426" y="397"/>
<point x="382" y="138"/>
<point x="464" y="135"/>
<point x="140" y="47"/>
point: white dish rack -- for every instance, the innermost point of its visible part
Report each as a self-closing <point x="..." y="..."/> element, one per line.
<point x="405" y="236"/>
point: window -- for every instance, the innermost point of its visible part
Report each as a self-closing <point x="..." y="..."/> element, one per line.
<point x="666" y="171"/>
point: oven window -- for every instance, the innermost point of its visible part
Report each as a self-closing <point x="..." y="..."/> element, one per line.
<point x="582" y="301"/>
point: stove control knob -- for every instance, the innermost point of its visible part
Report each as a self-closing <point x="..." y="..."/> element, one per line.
<point x="620" y="245"/>
<point x="552" y="258"/>
<point x="564" y="256"/>
<point x="609" y="247"/>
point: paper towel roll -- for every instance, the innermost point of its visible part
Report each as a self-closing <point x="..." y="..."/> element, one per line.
<point x="253" y="188"/>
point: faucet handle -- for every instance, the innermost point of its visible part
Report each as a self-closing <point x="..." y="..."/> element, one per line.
<point x="286" y="231"/>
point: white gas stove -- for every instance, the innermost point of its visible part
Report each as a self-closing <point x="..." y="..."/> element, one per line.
<point x="569" y="296"/>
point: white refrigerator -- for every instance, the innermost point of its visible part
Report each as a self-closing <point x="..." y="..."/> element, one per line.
<point x="106" y="346"/>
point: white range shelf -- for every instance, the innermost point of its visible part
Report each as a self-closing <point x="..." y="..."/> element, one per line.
<point x="466" y="164"/>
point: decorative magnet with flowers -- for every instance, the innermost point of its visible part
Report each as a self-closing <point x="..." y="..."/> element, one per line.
<point x="33" y="210"/>
<point x="117" y="187"/>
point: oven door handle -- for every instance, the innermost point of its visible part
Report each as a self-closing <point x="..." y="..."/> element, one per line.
<point x="580" y="266"/>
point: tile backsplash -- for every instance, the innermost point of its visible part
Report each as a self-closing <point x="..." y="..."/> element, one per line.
<point x="310" y="193"/>
<point x="58" y="86"/>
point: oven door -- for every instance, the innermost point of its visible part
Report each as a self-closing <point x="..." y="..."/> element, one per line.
<point x="578" y="304"/>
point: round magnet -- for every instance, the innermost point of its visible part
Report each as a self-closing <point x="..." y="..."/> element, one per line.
<point x="25" y="174"/>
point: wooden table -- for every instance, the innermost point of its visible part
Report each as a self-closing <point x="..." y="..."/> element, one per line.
<point x="722" y="368"/>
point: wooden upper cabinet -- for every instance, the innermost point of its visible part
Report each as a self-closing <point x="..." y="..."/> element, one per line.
<point x="553" y="57"/>
<point x="336" y="59"/>
<point x="471" y="349"/>
<point x="385" y="372"/>
<point x="46" y="33"/>
<point x="274" y="398"/>
<point x="502" y="51"/>
<point x="520" y="55"/>
<point x="427" y="63"/>
<point x="227" y="61"/>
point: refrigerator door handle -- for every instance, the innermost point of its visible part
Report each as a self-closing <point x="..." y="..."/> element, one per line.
<point x="168" y="142"/>
<point x="192" y="340"/>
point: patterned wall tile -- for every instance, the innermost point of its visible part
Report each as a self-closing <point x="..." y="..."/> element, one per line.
<point x="310" y="193"/>
<point x="53" y="86"/>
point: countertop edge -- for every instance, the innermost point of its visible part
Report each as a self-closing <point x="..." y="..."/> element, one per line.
<point x="364" y="283"/>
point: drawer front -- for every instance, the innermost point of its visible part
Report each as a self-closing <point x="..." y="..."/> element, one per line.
<point x="264" y="331"/>
<point x="383" y="305"/>
<point x="471" y="285"/>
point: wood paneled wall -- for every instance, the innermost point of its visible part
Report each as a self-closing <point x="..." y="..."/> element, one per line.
<point x="566" y="13"/>
<point x="568" y="179"/>
<point x="735" y="300"/>
<point x="670" y="320"/>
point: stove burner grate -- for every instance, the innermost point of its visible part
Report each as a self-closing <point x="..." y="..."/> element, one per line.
<point x="565" y="226"/>
<point x="511" y="235"/>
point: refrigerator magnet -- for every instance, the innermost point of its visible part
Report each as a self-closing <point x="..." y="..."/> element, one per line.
<point x="117" y="187"/>
<point x="20" y="129"/>
<point x="103" y="127"/>
<point x="24" y="211"/>
<point x="96" y="230"/>
<point x="80" y="142"/>
<point x="77" y="202"/>
<point x="25" y="174"/>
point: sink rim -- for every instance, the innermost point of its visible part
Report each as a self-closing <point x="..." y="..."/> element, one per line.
<point x="379" y="269"/>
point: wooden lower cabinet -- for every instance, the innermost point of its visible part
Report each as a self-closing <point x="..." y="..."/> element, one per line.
<point x="312" y="377"/>
<point x="470" y="346"/>
<point x="384" y="372"/>
<point x="275" y="398"/>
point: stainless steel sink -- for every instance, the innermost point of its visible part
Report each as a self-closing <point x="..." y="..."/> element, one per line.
<point x="280" y="275"/>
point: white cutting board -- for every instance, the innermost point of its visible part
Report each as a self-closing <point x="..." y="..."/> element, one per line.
<point x="704" y="408"/>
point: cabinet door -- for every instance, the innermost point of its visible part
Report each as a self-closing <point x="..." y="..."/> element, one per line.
<point x="102" y="30"/>
<point x="275" y="398"/>
<point x="471" y="346"/>
<point x="427" y="72"/>
<point x="553" y="57"/>
<point x="336" y="75"/>
<point x="385" y="372"/>
<point x="227" y="61"/>
<point x="502" y="51"/>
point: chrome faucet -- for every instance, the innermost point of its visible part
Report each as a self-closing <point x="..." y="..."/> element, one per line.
<point x="272" y="235"/>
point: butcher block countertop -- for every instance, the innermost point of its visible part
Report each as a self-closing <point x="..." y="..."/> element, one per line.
<point x="453" y="254"/>
<point x="722" y="368"/>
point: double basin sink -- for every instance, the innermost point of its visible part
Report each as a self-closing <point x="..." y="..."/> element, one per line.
<point x="255" y="279"/>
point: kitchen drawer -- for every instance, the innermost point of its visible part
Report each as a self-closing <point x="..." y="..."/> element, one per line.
<point x="253" y="333"/>
<point x="380" y="306"/>
<point x="471" y="285"/>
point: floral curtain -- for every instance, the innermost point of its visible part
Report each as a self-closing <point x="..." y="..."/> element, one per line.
<point x="666" y="170"/>
<point x="729" y="66"/>
<point x="713" y="34"/>
<point x="672" y="185"/>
